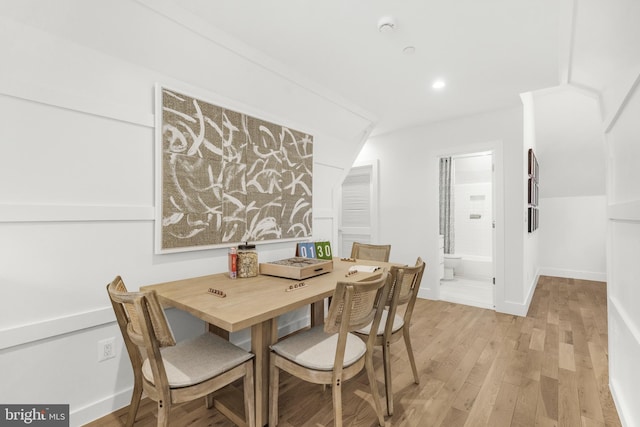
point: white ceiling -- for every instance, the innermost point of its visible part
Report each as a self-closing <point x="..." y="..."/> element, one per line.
<point x="488" y="51"/>
<point x="605" y="42"/>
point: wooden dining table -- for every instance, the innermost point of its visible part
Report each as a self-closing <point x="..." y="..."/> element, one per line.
<point x="256" y="303"/>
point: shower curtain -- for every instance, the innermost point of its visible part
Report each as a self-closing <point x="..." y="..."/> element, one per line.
<point x="446" y="204"/>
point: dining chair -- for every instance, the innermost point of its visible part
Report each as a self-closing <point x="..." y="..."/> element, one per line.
<point x="331" y="354"/>
<point x="171" y="372"/>
<point x="370" y="252"/>
<point x="396" y="321"/>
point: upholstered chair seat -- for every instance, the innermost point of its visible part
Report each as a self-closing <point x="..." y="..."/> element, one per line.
<point x="398" y="323"/>
<point x="316" y="349"/>
<point x="198" y="359"/>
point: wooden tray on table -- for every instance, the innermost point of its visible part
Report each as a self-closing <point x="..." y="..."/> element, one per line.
<point x="297" y="268"/>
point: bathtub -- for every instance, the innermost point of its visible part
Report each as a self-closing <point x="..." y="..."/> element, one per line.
<point x="470" y="266"/>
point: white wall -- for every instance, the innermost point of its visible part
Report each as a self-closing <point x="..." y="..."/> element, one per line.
<point x="622" y="130"/>
<point x="570" y="151"/>
<point x="472" y="197"/>
<point x="473" y="234"/>
<point x="569" y="141"/>
<point x="409" y="194"/>
<point x="531" y="241"/>
<point x="77" y="179"/>
<point x="573" y="237"/>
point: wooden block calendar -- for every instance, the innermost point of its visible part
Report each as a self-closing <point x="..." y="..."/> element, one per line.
<point x="320" y="250"/>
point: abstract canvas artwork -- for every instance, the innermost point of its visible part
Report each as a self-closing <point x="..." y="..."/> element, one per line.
<point x="228" y="177"/>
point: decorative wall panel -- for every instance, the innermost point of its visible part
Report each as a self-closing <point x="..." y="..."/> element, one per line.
<point x="228" y="177"/>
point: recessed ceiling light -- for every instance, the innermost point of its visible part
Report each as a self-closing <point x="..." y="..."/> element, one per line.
<point x="438" y="84"/>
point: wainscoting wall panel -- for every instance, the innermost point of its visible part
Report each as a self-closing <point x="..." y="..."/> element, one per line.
<point x="623" y="249"/>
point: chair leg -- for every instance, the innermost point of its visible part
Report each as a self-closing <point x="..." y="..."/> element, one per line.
<point x="208" y="401"/>
<point x="386" y="360"/>
<point x="336" y="391"/>
<point x="274" y="378"/>
<point x="249" y="396"/>
<point x="371" y="373"/>
<point x="412" y="360"/>
<point x="136" y="396"/>
<point x="164" y="408"/>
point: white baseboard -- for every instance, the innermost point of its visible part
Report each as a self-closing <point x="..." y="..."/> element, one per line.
<point x="293" y="326"/>
<point x="101" y="407"/>
<point x="513" y="308"/>
<point x="519" y="308"/>
<point x="618" y="404"/>
<point x="466" y="301"/>
<point x="532" y="290"/>
<point x="427" y="293"/>
<point x="506" y="307"/>
<point x="573" y="274"/>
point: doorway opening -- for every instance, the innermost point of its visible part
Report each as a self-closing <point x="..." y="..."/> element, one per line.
<point x="467" y="238"/>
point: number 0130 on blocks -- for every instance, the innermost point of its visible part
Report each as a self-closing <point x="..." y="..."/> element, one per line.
<point x="319" y="250"/>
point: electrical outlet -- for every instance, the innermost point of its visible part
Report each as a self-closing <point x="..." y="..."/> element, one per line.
<point x="106" y="349"/>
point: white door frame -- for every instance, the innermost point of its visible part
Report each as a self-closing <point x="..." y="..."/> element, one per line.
<point x="498" y="211"/>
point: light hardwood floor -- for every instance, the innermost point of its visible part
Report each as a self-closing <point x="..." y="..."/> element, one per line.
<point x="477" y="368"/>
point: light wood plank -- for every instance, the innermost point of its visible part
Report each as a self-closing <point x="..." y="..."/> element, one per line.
<point x="551" y="352"/>
<point x="466" y="397"/>
<point x="537" y="339"/>
<point x="533" y="365"/>
<point x="455" y="418"/>
<point x="525" y="411"/>
<point x="548" y="399"/>
<point x="588" y="394"/>
<point x="566" y="358"/>
<point x="502" y="412"/>
<point x="568" y="401"/>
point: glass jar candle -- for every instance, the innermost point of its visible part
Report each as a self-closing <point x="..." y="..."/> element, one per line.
<point x="247" y="260"/>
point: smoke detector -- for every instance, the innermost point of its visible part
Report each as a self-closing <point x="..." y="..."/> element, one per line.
<point x="386" y="24"/>
<point x="409" y="50"/>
